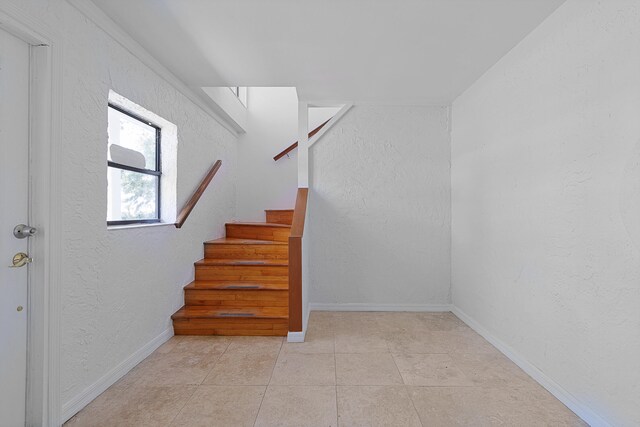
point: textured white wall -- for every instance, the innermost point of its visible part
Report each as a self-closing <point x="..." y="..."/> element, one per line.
<point x="120" y="287"/>
<point x="546" y="203"/>
<point x="379" y="206"/>
<point x="272" y="125"/>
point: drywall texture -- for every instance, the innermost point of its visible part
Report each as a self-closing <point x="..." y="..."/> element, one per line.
<point x="271" y="126"/>
<point x="546" y="203"/>
<point x="379" y="208"/>
<point x="120" y="287"/>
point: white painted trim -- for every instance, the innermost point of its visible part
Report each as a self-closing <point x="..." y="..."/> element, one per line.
<point x="329" y="125"/>
<point x="46" y="107"/>
<point x="380" y="307"/>
<point x="296" y="336"/>
<point x="593" y="419"/>
<point x="106" y="24"/>
<point x="73" y="406"/>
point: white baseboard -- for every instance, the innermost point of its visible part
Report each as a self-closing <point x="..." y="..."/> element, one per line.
<point x="379" y="307"/>
<point x="581" y="410"/>
<point x="296" y="336"/>
<point x="73" y="406"/>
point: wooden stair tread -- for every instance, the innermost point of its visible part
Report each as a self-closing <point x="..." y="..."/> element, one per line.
<point x="238" y="241"/>
<point x="241" y="286"/>
<point x="236" y="285"/>
<point x="260" y="224"/>
<point x="205" y="312"/>
<point x="278" y="210"/>
<point x="244" y="262"/>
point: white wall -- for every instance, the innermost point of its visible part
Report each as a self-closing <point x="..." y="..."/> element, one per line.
<point x="229" y="106"/>
<point x="546" y="204"/>
<point x="272" y="125"/>
<point x="379" y="206"/>
<point x="120" y="287"/>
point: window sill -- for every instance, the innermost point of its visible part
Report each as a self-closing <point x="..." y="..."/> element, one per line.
<point x="130" y="226"/>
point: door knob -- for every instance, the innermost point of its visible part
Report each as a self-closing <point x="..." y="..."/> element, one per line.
<point x="20" y="260"/>
<point x="22" y="231"/>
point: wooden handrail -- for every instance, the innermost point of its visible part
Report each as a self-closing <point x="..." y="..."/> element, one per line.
<point x="295" y="144"/>
<point x="295" y="261"/>
<point x="188" y="207"/>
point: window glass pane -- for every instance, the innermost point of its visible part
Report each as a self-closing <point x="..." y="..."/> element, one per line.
<point x="131" y="195"/>
<point x="131" y="142"/>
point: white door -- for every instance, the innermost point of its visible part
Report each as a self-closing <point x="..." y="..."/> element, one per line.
<point x="14" y="204"/>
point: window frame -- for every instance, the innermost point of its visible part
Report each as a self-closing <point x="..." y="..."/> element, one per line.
<point x="157" y="172"/>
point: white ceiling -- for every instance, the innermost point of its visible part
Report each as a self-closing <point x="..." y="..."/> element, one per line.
<point x="378" y="51"/>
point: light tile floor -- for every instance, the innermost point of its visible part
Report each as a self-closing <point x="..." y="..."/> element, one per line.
<point x="355" y="369"/>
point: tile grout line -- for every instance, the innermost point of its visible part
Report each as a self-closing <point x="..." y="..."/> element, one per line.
<point x="268" y="382"/>
<point x="197" y="386"/>
<point x="406" y="389"/>
<point x="183" y="405"/>
<point x="215" y="363"/>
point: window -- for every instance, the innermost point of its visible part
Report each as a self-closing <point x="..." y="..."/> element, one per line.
<point x="133" y="169"/>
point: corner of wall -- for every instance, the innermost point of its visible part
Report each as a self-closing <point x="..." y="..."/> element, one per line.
<point x="450" y="131"/>
<point x="593" y="419"/>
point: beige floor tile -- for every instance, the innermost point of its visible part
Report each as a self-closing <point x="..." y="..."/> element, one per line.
<point x="95" y="412"/>
<point x="430" y="370"/>
<point x="376" y="406"/>
<point x="221" y="406"/>
<point x="135" y="407"/>
<point x="314" y="342"/>
<point x="392" y="323"/>
<point x="197" y="344"/>
<point x="367" y="369"/>
<point x="357" y="342"/>
<point x="418" y="341"/>
<point x="255" y="345"/>
<point x="442" y="322"/>
<point x="455" y="377"/>
<point x="304" y="369"/>
<point x="491" y="370"/>
<point x="352" y="323"/>
<point x="172" y="368"/>
<point x="297" y="406"/>
<point x="475" y="406"/>
<point x="324" y="321"/>
<point x="130" y="378"/>
<point x="240" y="368"/>
<point x="466" y="342"/>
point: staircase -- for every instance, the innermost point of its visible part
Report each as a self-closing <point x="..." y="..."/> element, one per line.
<point x="241" y="286"/>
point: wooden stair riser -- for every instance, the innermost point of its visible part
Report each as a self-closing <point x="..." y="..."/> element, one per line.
<point x="244" y="251"/>
<point x="280" y="216"/>
<point x="236" y="298"/>
<point x="263" y="232"/>
<point x="223" y="285"/>
<point x="249" y="273"/>
<point x="236" y="326"/>
<point x="241" y="285"/>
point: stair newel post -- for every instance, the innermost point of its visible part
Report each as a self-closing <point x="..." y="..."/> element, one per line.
<point x="295" y="262"/>
<point x="297" y="226"/>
